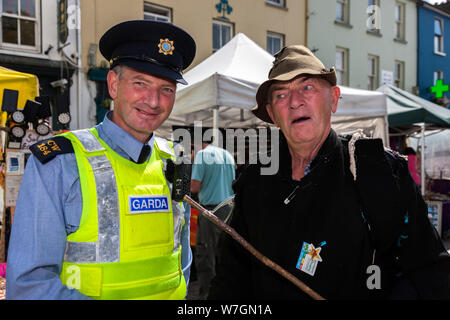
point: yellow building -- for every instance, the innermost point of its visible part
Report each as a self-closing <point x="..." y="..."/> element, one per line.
<point x="270" y="23"/>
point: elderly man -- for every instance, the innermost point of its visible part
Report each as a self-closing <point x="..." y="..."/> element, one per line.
<point x="94" y="216"/>
<point x="346" y="233"/>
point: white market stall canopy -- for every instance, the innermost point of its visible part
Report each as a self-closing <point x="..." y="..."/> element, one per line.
<point x="362" y="109"/>
<point x="227" y="82"/>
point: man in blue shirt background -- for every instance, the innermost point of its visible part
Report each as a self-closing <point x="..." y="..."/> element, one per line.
<point x="213" y="172"/>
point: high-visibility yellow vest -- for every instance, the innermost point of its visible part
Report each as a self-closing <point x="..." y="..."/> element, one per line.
<point x="128" y="242"/>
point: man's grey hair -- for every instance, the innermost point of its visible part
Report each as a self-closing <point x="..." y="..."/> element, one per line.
<point x="119" y="70"/>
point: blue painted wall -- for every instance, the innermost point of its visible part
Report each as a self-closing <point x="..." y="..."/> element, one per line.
<point x="428" y="61"/>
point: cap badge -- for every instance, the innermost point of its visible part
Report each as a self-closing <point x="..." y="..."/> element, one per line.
<point x="166" y="46"/>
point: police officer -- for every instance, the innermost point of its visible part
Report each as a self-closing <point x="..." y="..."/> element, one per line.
<point x="94" y="215"/>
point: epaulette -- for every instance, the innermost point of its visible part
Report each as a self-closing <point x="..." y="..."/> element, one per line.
<point x="46" y="150"/>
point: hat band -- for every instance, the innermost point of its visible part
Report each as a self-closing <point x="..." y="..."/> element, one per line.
<point x="114" y="62"/>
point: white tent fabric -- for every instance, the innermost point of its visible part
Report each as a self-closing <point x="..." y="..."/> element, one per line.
<point x="229" y="77"/>
<point x="227" y="82"/>
<point x="362" y="109"/>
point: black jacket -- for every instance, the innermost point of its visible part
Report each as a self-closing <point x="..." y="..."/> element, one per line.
<point x="380" y="219"/>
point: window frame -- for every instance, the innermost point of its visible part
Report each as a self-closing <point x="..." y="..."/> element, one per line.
<point x="373" y="75"/>
<point x="440" y="49"/>
<point x="147" y="4"/>
<point x="221" y="23"/>
<point x="274" y="35"/>
<point x="342" y="74"/>
<point x="281" y="3"/>
<point x="37" y="29"/>
<point x="437" y="75"/>
<point x="399" y="82"/>
<point x="345" y="11"/>
<point x="400" y="29"/>
<point x="376" y="3"/>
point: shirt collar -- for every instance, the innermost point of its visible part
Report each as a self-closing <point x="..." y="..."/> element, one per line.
<point x="326" y="150"/>
<point x="121" y="141"/>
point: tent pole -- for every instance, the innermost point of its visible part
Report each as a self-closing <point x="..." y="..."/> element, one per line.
<point x="422" y="160"/>
<point x="216" y="125"/>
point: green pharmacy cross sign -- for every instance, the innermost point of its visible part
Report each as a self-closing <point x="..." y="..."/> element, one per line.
<point x="439" y="88"/>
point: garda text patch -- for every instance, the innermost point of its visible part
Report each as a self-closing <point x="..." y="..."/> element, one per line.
<point x="145" y="204"/>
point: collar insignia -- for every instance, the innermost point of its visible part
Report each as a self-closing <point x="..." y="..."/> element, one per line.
<point x="166" y="46"/>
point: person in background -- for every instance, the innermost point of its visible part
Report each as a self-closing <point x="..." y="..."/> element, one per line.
<point x="213" y="172"/>
<point x="413" y="164"/>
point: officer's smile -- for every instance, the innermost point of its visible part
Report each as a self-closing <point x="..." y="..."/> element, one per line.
<point x="146" y="114"/>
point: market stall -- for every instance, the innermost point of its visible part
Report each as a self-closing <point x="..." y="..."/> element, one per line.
<point x="26" y="118"/>
<point x="16" y="88"/>
<point x="413" y="117"/>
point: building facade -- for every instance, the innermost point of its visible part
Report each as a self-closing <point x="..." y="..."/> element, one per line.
<point x="433" y="44"/>
<point x="370" y="42"/>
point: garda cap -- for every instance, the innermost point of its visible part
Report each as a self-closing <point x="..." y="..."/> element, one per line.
<point x="159" y="48"/>
<point x="290" y="62"/>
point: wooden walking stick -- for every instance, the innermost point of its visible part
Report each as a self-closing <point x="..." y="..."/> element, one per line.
<point x="269" y="263"/>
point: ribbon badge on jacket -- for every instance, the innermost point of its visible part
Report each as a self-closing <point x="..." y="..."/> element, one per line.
<point x="309" y="258"/>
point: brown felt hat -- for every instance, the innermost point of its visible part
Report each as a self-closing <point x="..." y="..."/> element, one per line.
<point x="290" y="62"/>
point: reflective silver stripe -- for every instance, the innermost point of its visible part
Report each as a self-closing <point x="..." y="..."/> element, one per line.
<point x="108" y="244"/>
<point x="178" y="216"/>
<point x="88" y="140"/>
<point x="107" y="248"/>
<point x="80" y="252"/>
<point x="177" y="212"/>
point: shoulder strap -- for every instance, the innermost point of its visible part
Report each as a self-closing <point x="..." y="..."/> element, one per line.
<point x="48" y="149"/>
<point x="88" y="140"/>
<point x="375" y="180"/>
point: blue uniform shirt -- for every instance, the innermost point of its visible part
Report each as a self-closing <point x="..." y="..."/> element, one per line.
<point x="215" y="168"/>
<point x="49" y="208"/>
